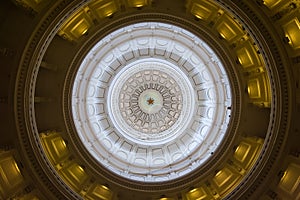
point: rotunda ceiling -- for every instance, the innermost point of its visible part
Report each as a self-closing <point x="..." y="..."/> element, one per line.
<point x="150" y="101"/>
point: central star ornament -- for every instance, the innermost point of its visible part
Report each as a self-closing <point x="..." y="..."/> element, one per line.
<point x="150" y="101"/>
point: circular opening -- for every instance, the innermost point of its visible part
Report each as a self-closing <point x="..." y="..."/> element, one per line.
<point x="150" y="102"/>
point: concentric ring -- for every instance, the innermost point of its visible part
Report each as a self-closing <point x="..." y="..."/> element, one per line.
<point x="154" y="80"/>
<point x="140" y="66"/>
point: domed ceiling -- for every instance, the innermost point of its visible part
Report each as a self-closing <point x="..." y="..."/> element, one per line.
<point x="153" y="100"/>
<point x="147" y="97"/>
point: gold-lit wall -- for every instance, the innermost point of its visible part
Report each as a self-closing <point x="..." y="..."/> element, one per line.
<point x="248" y="56"/>
<point x="286" y="14"/>
<point x="13" y="183"/>
<point x="71" y="172"/>
<point x="86" y="18"/>
<point x="11" y="178"/>
<point x="289" y="185"/>
<point x="230" y="174"/>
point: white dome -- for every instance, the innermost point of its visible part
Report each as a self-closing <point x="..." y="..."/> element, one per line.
<point x="150" y="102"/>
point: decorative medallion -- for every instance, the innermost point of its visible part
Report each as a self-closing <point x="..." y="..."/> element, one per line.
<point x="148" y="104"/>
